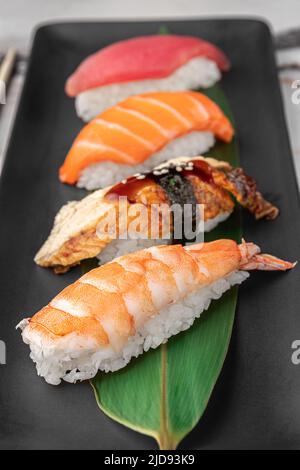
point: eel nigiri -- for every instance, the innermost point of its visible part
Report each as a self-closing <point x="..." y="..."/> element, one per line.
<point x="138" y="65"/>
<point x="119" y="310"/>
<point x="142" y="132"/>
<point x="76" y="234"/>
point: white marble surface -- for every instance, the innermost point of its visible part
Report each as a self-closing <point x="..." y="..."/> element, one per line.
<point x="18" y="18"/>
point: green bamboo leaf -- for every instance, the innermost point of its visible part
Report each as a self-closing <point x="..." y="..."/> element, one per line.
<point x="163" y="30"/>
<point x="165" y="392"/>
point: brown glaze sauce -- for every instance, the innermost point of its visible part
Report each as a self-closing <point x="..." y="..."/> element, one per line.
<point x="134" y="184"/>
<point x="202" y="170"/>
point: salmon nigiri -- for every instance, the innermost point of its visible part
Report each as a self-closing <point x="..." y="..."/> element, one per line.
<point x="76" y="234"/>
<point x="140" y="133"/>
<point x="141" y="64"/>
<point x="118" y="311"/>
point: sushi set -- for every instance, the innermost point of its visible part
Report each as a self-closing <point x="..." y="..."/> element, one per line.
<point x="141" y="117"/>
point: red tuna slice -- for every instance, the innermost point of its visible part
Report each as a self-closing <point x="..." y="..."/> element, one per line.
<point x="146" y="57"/>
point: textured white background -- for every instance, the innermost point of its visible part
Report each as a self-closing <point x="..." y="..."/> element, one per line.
<point x="18" y="18"/>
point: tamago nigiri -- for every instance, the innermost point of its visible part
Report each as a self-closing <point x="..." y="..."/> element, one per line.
<point x="119" y="310"/>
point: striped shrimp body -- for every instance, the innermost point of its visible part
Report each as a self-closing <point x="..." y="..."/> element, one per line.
<point x="136" y="302"/>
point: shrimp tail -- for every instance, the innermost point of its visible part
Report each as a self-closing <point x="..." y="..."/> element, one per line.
<point x="253" y="259"/>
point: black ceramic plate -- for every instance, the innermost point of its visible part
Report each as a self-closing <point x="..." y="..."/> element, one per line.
<point x="256" y="402"/>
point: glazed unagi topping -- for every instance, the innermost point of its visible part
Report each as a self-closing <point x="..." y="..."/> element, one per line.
<point x="171" y="184"/>
<point x="244" y="189"/>
<point x="173" y="179"/>
<point x="196" y="181"/>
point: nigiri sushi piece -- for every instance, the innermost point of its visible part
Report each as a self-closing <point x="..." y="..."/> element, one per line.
<point x="142" y="132"/>
<point x="76" y="234"/>
<point x="142" y="64"/>
<point x="137" y="302"/>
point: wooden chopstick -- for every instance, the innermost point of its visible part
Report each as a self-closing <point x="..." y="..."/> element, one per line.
<point x="7" y="66"/>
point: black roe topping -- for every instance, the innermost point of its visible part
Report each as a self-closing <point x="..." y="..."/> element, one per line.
<point x="178" y="188"/>
<point x="179" y="191"/>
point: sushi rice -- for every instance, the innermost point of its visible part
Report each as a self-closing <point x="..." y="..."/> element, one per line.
<point x="107" y="173"/>
<point x="197" y="73"/>
<point x="77" y="358"/>
<point x="120" y="247"/>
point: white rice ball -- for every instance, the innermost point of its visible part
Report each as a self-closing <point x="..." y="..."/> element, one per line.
<point x="104" y="174"/>
<point x="197" y="73"/>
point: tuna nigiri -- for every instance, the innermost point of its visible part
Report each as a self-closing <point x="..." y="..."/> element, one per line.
<point x="140" y="133"/>
<point x="76" y="234"/>
<point x="138" y="65"/>
<point x="118" y="311"/>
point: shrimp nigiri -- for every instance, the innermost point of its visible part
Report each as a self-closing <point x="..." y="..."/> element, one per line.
<point x="76" y="234"/>
<point x="138" y="301"/>
<point x="142" y="132"/>
<point x="141" y="64"/>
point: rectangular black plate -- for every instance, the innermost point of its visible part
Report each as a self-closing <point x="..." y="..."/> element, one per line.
<point x="256" y="402"/>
